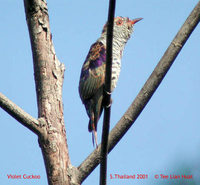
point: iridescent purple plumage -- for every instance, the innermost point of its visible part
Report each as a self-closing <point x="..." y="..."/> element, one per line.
<point x="93" y="71"/>
<point x="91" y="84"/>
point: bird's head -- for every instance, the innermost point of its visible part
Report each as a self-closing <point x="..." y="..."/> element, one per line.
<point x="123" y="27"/>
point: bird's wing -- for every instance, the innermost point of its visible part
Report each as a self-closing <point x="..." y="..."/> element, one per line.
<point x="93" y="71"/>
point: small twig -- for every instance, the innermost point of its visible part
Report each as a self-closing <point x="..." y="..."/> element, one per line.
<point x="107" y="94"/>
<point x="19" y="114"/>
<point x="127" y="120"/>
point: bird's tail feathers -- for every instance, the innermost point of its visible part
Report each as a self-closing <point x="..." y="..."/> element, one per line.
<point x="94" y="138"/>
<point x="94" y="113"/>
<point x="90" y="126"/>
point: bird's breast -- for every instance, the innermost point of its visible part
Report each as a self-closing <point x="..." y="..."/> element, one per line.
<point x="116" y="66"/>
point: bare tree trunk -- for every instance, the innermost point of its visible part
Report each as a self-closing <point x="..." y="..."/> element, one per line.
<point x="49" y="74"/>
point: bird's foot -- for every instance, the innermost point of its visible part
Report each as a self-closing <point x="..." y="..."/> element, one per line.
<point x="109" y="105"/>
<point x="109" y="93"/>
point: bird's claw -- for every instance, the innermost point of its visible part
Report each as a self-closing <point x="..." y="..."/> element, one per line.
<point x="109" y="105"/>
<point x="109" y="93"/>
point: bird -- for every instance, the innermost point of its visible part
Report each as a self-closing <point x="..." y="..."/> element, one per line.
<point x="92" y="78"/>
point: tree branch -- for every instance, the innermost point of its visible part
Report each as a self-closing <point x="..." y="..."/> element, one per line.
<point x="49" y="75"/>
<point x="127" y="120"/>
<point x="20" y="115"/>
<point x="107" y="94"/>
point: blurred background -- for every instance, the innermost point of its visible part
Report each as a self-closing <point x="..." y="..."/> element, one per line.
<point x="165" y="138"/>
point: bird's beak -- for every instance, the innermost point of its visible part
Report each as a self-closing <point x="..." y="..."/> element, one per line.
<point x="132" y="22"/>
<point x="135" y="20"/>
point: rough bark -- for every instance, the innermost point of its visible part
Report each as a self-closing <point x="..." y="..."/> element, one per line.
<point x="49" y="74"/>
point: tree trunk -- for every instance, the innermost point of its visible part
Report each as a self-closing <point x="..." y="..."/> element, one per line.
<point x="49" y="74"/>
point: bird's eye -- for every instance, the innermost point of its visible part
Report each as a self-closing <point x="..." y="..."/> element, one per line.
<point x="119" y="22"/>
